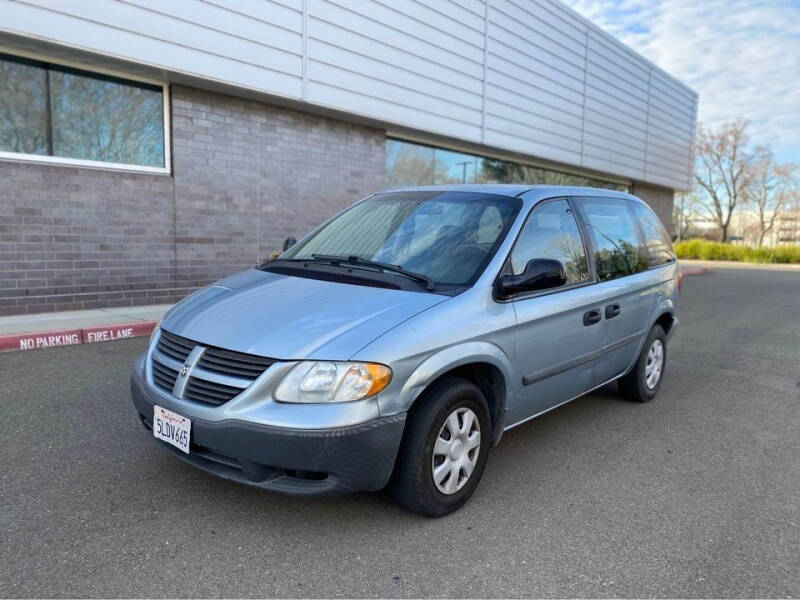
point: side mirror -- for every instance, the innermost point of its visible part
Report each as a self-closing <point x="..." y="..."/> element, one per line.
<point x="539" y="274"/>
<point x="288" y="243"/>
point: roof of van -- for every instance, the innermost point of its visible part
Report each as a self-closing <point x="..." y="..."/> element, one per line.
<point x="511" y="189"/>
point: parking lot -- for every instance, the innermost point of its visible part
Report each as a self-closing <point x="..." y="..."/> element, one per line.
<point x="694" y="494"/>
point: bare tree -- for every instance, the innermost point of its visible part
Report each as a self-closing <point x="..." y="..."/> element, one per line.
<point x="685" y="214"/>
<point x="769" y="189"/>
<point x="723" y="170"/>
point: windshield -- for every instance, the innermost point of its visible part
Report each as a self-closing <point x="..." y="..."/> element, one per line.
<point x="445" y="236"/>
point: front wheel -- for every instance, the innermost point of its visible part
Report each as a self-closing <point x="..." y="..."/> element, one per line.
<point x="444" y="450"/>
<point x="644" y="379"/>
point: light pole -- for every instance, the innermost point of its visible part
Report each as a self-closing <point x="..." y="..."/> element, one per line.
<point x="464" y="170"/>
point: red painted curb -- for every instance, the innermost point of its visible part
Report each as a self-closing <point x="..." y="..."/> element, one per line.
<point x="40" y="339"/>
<point x="696" y="271"/>
<point x="72" y="337"/>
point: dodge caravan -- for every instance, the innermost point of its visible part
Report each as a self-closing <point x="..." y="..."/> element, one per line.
<point x="395" y="344"/>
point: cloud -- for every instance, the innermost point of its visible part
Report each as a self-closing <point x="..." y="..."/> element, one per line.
<point x="741" y="56"/>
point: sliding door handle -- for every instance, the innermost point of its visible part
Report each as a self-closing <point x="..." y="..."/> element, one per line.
<point x="590" y="317"/>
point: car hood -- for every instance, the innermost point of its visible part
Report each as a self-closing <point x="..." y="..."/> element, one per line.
<point x="289" y="317"/>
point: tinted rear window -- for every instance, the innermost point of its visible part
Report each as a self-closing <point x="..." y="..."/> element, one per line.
<point x="658" y="246"/>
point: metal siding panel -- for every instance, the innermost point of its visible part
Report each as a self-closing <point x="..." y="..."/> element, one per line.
<point x="443" y="15"/>
<point x="618" y="152"/>
<point x="609" y="166"/>
<point x="404" y="15"/>
<point x="560" y="17"/>
<point x="401" y="41"/>
<point x="616" y="107"/>
<point x="613" y="75"/>
<point x="557" y="83"/>
<point x="380" y="91"/>
<point x="619" y="56"/>
<point x="530" y="146"/>
<point x="287" y="14"/>
<point x="361" y="104"/>
<point x="105" y="39"/>
<point x="472" y="6"/>
<point x="514" y="22"/>
<point x="597" y="121"/>
<point x="542" y="136"/>
<point x="529" y="114"/>
<point x="516" y="14"/>
<point x="670" y="113"/>
<point x="383" y="52"/>
<point x="547" y="84"/>
<point x="527" y="107"/>
<point x="166" y="28"/>
<point x="405" y="80"/>
<point x="615" y="134"/>
<point x="498" y="81"/>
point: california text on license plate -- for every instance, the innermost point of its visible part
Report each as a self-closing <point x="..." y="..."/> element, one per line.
<point x="172" y="428"/>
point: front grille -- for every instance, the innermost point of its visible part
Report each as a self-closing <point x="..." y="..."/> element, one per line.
<point x="234" y="363"/>
<point x="210" y="392"/>
<point x="163" y="376"/>
<point x="211" y="378"/>
<point x="174" y="346"/>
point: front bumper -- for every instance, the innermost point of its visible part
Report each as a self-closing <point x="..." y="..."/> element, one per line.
<point x="303" y="462"/>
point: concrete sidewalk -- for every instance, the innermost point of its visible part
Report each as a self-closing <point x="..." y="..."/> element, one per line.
<point x="46" y="330"/>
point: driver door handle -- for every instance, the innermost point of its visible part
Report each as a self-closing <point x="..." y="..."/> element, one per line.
<point x="591" y="317"/>
<point x="612" y="310"/>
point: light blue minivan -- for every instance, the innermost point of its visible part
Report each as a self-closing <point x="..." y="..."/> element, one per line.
<point x="395" y="344"/>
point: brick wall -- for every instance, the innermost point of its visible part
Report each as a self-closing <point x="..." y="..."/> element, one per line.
<point x="245" y="175"/>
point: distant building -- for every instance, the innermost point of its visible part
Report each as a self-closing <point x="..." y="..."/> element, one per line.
<point x="148" y="148"/>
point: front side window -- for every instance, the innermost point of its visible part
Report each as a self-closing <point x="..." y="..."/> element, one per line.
<point x="617" y="246"/>
<point x="445" y="236"/>
<point x="50" y="110"/>
<point x="658" y="246"/>
<point x="552" y="232"/>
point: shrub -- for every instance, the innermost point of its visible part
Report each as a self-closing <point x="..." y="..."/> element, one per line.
<point x="706" y="250"/>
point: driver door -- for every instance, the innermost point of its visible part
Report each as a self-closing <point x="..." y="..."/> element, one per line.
<point x="556" y="344"/>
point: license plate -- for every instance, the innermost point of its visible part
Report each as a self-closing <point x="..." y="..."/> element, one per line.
<point x="172" y="428"/>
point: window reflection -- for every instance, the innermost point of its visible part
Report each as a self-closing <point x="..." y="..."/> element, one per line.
<point x="552" y="232"/>
<point x="57" y="111"/>
<point x="455" y="167"/>
<point x="408" y="163"/>
<point x="23" y="108"/>
<point x="97" y="119"/>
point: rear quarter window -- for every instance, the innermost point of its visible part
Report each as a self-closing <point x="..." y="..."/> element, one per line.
<point x="615" y="238"/>
<point x="657" y="244"/>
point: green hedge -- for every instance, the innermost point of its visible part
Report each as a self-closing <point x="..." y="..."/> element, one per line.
<point x="706" y="250"/>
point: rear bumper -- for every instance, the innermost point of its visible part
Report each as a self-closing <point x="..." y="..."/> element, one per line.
<point x="302" y="462"/>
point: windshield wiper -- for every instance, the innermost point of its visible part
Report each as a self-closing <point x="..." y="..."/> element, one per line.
<point x="381" y="266"/>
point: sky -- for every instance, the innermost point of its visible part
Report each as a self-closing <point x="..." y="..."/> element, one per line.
<point x="741" y="56"/>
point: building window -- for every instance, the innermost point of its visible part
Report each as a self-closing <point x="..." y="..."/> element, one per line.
<point x="58" y="114"/>
<point x="415" y="164"/>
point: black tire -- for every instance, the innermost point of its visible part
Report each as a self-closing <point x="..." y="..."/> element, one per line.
<point x="634" y="385"/>
<point x="413" y="486"/>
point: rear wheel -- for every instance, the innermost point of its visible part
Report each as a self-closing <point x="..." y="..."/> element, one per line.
<point x="444" y="450"/>
<point x="644" y="379"/>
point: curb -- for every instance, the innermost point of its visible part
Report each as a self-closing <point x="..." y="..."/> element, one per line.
<point x="72" y="337"/>
<point x="695" y="271"/>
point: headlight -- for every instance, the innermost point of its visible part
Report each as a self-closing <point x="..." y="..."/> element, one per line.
<point x="311" y="381"/>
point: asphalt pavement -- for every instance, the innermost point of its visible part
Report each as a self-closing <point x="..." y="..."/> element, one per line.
<point x="694" y="494"/>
